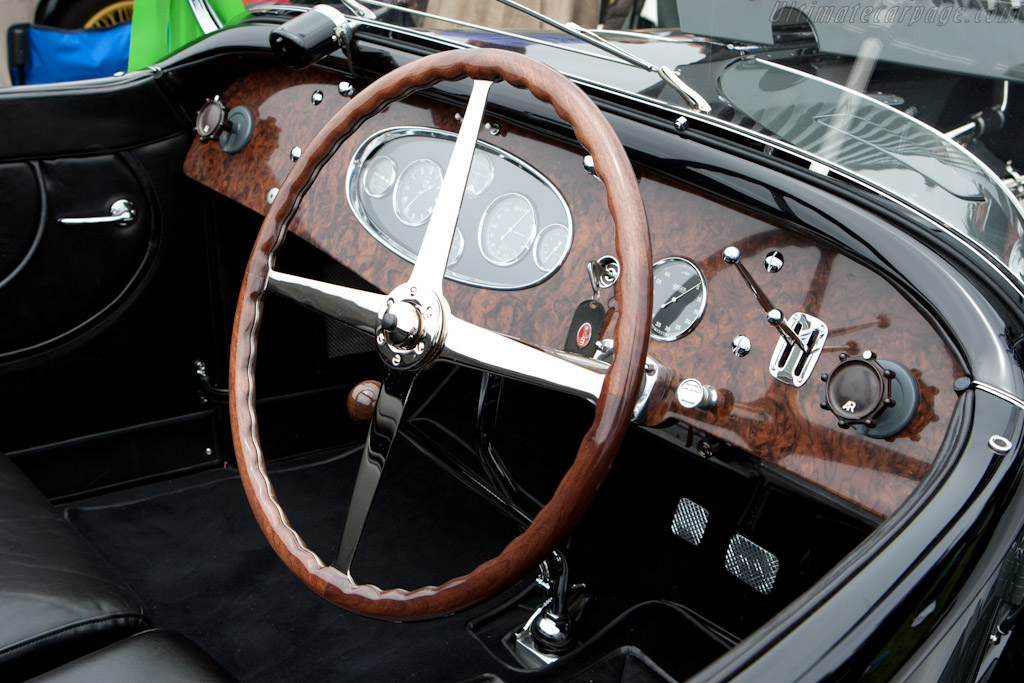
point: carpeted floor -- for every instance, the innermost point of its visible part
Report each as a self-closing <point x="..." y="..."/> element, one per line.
<point x="193" y="552"/>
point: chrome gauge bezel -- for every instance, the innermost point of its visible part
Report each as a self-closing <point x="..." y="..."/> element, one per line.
<point x="458" y="246"/>
<point x="382" y="159"/>
<point x="479" y="159"/>
<point x="703" y="299"/>
<point x="524" y="273"/>
<point x="426" y="163"/>
<point x="484" y="227"/>
<point x="540" y="239"/>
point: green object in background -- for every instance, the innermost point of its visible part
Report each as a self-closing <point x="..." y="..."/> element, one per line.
<point x="160" y="27"/>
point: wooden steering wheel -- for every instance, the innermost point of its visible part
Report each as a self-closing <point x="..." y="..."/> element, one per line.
<point x="413" y="327"/>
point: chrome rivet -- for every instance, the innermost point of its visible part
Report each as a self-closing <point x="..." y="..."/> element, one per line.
<point x="588" y="165"/>
<point x="318" y="97"/>
<point x="296" y="153"/>
<point x="412" y="290"/>
<point x="346" y="89"/>
<point x="380" y="337"/>
<point x="420" y="348"/>
<point x="493" y="128"/>
<point x="773" y="262"/>
<point x="209" y="451"/>
<point x="458" y="116"/>
<point x="272" y="195"/>
<point x="740" y="345"/>
<point x="999" y="444"/>
<point x="396" y="359"/>
<point x="682" y="123"/>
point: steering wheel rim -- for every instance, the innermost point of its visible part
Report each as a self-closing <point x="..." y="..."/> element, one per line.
<point x="619" y="389"/>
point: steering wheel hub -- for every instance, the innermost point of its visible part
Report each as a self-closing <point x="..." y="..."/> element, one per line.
<point x="411" y="327"/>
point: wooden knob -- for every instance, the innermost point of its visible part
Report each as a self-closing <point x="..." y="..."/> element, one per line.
<point x="362" y="400"/>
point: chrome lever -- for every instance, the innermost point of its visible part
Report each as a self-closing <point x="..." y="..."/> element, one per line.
<point x="122" y="212"/>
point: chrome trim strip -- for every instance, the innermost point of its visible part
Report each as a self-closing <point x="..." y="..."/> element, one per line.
<point x="1016" y="401"/>
<point x="205" y="16"/>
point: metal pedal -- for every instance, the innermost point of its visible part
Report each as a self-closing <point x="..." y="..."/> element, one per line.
<point x="690" y="521"/>
<point x="751" y="564"/>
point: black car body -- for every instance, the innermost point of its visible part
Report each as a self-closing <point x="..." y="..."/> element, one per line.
<point x="758" y="523"/>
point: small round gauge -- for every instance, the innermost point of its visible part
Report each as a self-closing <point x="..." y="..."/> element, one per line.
<point x="680" y="295"/>
<point x="416" y="191"/>
<point x="507" y="229"/>
<point x="458" y="245"/>
<point x="481" y="173"/>
<point x="551" y="247"/>
<point x="378" y="176"/>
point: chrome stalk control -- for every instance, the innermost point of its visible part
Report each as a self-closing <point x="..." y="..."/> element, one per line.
<point x="802" y="335"/>
<point x="776" y="319"/>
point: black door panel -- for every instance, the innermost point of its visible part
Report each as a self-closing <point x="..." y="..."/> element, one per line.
<point x="76" y="274"/>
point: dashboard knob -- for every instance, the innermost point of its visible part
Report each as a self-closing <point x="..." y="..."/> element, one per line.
<point x="858" y="390"/>
<point x="861" y="390"/>
<point x="212" y="120"/>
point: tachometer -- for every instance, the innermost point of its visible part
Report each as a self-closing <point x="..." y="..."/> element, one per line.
<point x="416" y="191"/>
<point x="680" y="296"/>
<point x="507" y="229"/>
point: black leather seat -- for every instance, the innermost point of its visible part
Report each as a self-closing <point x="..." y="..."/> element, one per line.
<point x="59" y="599"/>
<point x="151" y="656"/>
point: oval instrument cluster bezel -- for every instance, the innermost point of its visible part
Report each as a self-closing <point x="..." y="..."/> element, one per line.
<point x="488" y="219"/>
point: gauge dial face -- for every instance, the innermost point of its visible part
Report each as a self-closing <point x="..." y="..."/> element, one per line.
<point x="416" y="191"/>
<point x="458" y="245"/>
<point x="507" y="229"/>
<point x="378" y="176"/>
<point x="551" y="247"/>
<point x="680" y="295"/>
<point x="481" y="173"/>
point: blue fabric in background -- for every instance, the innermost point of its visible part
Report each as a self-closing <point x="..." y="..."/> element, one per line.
<point x="60" y="55"/>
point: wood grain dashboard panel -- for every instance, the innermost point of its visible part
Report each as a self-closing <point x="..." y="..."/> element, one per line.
<point x="780" y="424"/>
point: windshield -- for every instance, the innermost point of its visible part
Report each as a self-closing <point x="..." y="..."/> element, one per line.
<point x="922" y="100"/>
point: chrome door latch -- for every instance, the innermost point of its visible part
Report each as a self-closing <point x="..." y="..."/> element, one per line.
<point x="122" y="212"/>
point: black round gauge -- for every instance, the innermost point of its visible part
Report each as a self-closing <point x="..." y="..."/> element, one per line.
<point x="680" y="295"/>
<point x="416" y="191"/>
<point x="378" y="176"/>
<point x="507" y="229"/>
<point x="551" y="246"/>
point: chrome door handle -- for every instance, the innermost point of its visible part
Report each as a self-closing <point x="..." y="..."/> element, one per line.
<point x="122" y="212"/>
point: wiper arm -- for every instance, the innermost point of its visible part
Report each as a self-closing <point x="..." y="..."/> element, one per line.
<point x="689" y="95"/>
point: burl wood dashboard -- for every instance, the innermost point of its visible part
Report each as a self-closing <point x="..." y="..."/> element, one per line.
<point x="780" y="424"/>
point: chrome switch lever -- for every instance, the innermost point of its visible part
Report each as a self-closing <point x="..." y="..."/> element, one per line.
<point x="775" y="317"/>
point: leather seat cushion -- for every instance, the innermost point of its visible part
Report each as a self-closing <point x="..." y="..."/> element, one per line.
<point x="59" y="599"/>
<point x="150" y="656"/>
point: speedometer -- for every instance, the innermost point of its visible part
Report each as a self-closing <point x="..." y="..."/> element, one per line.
<point x="507" y="229"/>
<point x="680" y="296"/>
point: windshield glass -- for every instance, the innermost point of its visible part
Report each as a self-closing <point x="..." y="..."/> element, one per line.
<point x="922" y="100"/>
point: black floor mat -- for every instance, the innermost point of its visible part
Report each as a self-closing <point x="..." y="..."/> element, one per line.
<point x="193" y="552"/>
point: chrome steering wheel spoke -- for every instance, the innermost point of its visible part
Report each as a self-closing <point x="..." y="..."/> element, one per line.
<point x="476" y="347"/>
<point x="387" y="417"/>
<point x="355" y="307"/>
<point x="432" y="260"/>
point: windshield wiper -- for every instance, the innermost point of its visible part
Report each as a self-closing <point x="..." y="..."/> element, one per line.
<point x="689" y="95"/>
